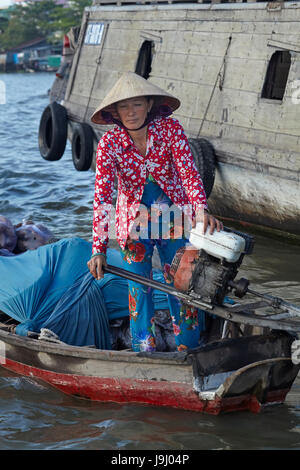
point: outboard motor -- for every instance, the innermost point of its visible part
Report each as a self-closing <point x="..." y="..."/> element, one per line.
<point x="204" y="272"/>
<point x="206" y="268"/>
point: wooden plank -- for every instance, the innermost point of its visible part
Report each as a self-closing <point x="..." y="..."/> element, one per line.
<point x="129" y="39"/>
<point x="141" y="2"/>
<point x="153" y="2"/>
<point x="232" y="135"/>
<point x="73" y="71"/>
<point x="284" y="45"/>
<point x="83" y="83"/>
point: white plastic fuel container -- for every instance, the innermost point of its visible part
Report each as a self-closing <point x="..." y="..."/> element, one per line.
<point x="223" y="245"/>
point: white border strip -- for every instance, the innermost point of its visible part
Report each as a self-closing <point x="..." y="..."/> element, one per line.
<point x="2" y="352"/>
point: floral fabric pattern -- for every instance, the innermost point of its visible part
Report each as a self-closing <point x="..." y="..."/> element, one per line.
<point x="167" y="175"/>
<point x="185" y="319"/>
<point x="134" y="252"/>
<point x="168" y="160"/>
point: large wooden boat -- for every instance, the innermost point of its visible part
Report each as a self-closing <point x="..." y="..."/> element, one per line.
<point x="248" y="353"/>
<point x="235" y="67"/>
<point x="246" y="373"/>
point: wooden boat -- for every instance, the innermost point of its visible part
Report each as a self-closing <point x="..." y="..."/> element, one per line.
<point x="230" y="374"/>
<point x="254" y="367"/>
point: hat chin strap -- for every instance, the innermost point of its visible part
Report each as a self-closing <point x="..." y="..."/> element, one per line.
<point x="148" y="119"/>
<point x="134" y="130"/>
<point x="161" y="111"/>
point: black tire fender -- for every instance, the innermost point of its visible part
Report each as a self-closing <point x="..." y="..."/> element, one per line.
<point x="53" y="132"/>
<point x="205" y="160"/>
<point x="82" y="146"/>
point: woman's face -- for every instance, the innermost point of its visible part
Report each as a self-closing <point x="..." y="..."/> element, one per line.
<point x="133" y="112"/>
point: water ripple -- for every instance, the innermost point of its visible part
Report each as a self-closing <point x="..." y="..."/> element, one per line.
<point x="35" y="416"/>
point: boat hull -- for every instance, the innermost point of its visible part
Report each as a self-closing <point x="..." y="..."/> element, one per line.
<point x="248" y="193"/>
<point x="146" y="392"/>
<point x="161" y="379"/>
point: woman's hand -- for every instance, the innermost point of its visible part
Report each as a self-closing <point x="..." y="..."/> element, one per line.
<point x="95" y="266"/>
<point x="203" y="216"/>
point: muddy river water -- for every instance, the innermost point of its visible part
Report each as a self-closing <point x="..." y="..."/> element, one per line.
<point x="36" y="417"/>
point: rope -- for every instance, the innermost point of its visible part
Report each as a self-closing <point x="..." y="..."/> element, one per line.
<point x="48" y="335"/>
<point x="221" y="81"/>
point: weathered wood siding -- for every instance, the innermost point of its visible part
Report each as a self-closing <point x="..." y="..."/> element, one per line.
<point x="197" y="48"/>
<point x="189" y="49"/>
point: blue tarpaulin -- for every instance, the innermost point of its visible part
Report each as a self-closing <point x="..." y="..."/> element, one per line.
<point x="51" y="287"/>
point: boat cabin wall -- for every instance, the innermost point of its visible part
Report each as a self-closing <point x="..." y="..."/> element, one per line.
<point x="236" y="69"/>
<point x="215" y="60"/>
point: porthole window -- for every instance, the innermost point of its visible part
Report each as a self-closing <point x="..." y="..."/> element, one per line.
<point x="277" y="75"/>
<point x="144" y="61"/>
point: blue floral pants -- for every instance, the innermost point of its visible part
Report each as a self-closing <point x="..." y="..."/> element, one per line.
<point x="188" y="322"/>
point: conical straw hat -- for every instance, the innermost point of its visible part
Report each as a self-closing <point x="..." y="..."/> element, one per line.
<point x="131" y="85"/>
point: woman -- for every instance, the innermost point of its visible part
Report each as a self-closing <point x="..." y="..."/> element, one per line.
<point x="150" y="155"/>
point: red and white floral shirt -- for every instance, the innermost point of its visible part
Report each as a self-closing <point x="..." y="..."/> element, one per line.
<point x="168" y="159"/>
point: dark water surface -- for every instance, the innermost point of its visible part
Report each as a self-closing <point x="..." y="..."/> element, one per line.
<point x="36" y="417"/>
